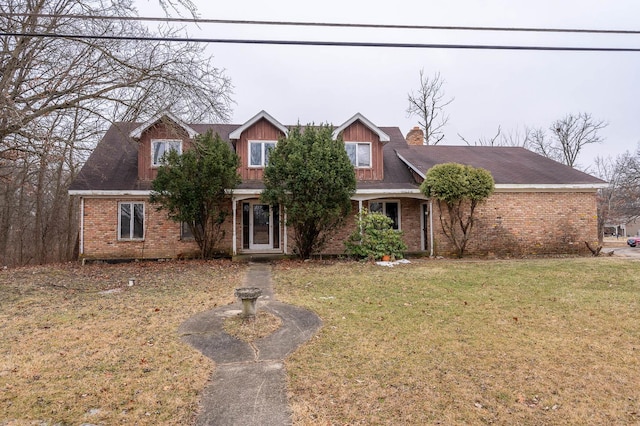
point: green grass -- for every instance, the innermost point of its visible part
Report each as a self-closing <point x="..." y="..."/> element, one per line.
<point x="459" y="342"/>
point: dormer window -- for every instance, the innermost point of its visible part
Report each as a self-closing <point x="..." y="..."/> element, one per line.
<point x="161" y="146"/>
<point x="259" y="152"/>
<point x="359" y="153"/>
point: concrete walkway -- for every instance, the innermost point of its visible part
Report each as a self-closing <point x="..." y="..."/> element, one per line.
<point x="248" y="386"/>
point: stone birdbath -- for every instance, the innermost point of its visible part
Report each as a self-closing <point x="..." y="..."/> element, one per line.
<point x="249" y="296"/>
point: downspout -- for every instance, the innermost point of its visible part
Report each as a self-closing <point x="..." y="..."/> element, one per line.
<point x="81" y="244"/>
<point x="286" y="240"/>
<point x="360" y="214"/>
<point x="234" y="208"/>
<point x="431" y="227"/>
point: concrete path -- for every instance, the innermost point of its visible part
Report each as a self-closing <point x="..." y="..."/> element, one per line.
<point x="248" y="386"/>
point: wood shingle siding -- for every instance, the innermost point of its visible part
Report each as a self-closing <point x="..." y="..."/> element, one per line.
<point x="260" y="131"/>
<point x="358" y="132"/>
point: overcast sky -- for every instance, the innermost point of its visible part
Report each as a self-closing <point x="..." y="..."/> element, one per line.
<point x="511" y="89"/>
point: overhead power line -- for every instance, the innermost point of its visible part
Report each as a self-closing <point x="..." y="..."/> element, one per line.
<point x="331" y="24"/>
<point x="325" y="43"/>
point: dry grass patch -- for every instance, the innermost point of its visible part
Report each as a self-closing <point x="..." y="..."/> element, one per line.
<point x="249" y="329"/>
<point x="460" y="342"/>
<point x="78" y="344"/>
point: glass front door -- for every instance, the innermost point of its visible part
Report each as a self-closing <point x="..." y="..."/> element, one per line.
<point x="260" y="227"/>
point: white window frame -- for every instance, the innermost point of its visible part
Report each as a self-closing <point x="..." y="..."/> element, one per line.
<point x="154" y="142"/>
<point x="263" y="149"/>
<point x="384" y="209"/>
<point x="357" y="165"/>
<point x="131" y="221"/>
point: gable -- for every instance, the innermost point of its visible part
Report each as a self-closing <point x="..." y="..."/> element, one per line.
<point x="380" y="135"/>
<point x="261" y="116"/>
<point x="166" y="118"/>
<point x="261" y="129"/>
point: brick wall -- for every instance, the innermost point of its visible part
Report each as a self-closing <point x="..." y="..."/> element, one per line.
<point x="409" y="223"/>
<point x="162" y="235"/>
<point x="529" y="223"/>
<point x="523" y="223"/>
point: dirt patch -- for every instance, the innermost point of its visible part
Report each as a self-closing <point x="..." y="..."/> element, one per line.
<point x="250" y="329"/>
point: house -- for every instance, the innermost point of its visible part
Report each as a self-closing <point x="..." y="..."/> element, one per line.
<point x="539" y="206"/>
<point x="622" y="228"/>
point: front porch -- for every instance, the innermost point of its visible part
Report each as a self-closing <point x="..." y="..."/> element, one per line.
<point x="260" y="230"/>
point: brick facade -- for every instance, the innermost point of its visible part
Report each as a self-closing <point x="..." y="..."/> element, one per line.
<point x="529" y="223"/>
<point x="508" y="224"/>
<point x="161" y="235"/>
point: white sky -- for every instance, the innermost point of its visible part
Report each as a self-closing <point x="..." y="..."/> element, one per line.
<point x="512" y="89"/>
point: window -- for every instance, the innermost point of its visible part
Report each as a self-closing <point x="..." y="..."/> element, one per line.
<point x="160" y="147"/>
<point x="389" y="208"/>
<point x="131" y="221"/>
<point x="359" y="153"/>
<point x="259" y="152"/>
<point x="185" y="231"/>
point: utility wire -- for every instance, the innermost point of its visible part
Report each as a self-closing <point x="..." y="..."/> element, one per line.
<point x="325" y="43"/>
<point x="329" y="24"/>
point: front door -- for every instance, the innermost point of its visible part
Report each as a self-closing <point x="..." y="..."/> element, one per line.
<point x="424" y="220"/>
<point x="260" y="227"/>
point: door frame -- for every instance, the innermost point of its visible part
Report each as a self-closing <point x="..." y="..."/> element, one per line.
<point x="252" y="245"/>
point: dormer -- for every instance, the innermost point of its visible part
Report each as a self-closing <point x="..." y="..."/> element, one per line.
<point x="364" y="143"/>
<point x="253" y="140"/>
<point x="159" y="134"/>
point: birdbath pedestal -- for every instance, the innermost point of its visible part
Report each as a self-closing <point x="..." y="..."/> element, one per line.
<point x="249" y="296"/>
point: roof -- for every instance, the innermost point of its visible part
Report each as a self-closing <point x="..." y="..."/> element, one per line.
<point x="113" y="165"/>
<point x="508" y="165"/>
<point x="397" y="175"/>
<point x="138" y="131"/>
<point x="359" y="117"/>
<point x="259" y="116"/>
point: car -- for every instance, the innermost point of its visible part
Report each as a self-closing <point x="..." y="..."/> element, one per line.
<point x="633" y="241"/>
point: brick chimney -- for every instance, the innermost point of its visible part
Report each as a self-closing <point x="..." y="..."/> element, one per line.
<point x="415" y="136"/>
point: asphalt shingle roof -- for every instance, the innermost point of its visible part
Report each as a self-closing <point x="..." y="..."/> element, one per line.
<point x="508" y="165"/>
<point x="113" y="164"/>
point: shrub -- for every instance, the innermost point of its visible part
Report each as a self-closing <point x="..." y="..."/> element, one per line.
<point x="374" y="238"/>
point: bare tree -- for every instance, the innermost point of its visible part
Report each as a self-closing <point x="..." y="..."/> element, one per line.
<point x="42" y="75"/>
<point x="606" y="169"/>
<point x="568" y="136"/>
<point x="627" y="205"/>
<point x="573" y="132"/>
<point x="168" y="5"/>
<point x="515" y="137"/>
<point x="539" y="141"/>
<point x="619" y="203"/>
<point x="483" y="141"/>
<point x="57" y="95"/>
<point x="428" y="104"/>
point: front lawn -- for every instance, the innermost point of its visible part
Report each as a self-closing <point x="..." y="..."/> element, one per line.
<point x="553" y="341"/>
<point x="78" y="345"/>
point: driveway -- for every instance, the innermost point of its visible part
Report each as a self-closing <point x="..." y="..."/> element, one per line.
<point x="632" y="252"/>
